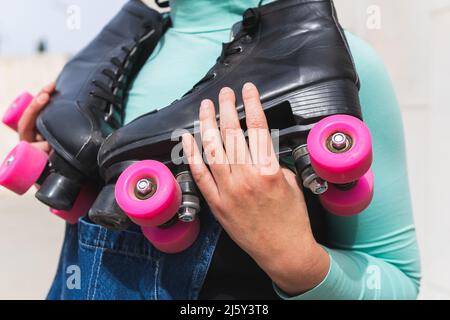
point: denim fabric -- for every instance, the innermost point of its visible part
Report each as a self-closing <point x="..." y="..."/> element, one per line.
<point x="124" y="265"/>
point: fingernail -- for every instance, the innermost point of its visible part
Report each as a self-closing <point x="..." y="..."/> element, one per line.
<point x="41" y="99"/>
<point x="204" y="106"/>
<point x="49" y="86"/>
<point x="248" y="86"/>
<point x="226" y="90"/>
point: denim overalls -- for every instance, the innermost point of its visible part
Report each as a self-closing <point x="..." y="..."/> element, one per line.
<point x="101" y="264"/>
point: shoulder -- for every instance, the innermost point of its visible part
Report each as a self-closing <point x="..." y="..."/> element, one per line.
<point x="377" y="93"/>
<point x="366" y="58"/>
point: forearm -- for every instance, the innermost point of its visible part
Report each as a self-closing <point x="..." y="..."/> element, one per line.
<point x="298" y="269"/>
<point x="355" y="275"/>
<point x="379" y="257"/>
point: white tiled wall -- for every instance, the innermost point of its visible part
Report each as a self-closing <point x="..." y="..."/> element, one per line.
<point x="414" y="42"/>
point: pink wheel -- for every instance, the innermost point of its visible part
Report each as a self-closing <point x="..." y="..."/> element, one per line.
<point x="173" y="239"/>
<point x="148" y="193"/>
<point x="352" y="201"/>
<point x="22" y="168"/>
<point x="81" y="206"/>
<point x="340" y="148"/>
<point x="16" y="110"/>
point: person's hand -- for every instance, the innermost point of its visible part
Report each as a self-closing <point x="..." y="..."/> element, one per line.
<point x="27" y="124"/>
<point x="258" y="203"/>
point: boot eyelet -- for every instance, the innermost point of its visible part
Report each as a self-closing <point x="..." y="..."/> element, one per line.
<point x="109" y="113"/>
<point x="247" y="39"/>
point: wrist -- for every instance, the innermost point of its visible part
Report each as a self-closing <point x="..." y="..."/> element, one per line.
<point x="300" y="269"/>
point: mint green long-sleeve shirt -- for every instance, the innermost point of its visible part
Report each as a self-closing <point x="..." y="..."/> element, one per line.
<point x="373" y="255"/>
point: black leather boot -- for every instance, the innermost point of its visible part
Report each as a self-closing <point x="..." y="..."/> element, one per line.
<point x="296" y="54"/>
<point x="87" y="105"/>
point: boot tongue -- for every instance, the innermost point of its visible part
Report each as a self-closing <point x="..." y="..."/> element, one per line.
<point x="235" y="30"/>
<point x="207" y="15"/>
<point x="250" y="21"/>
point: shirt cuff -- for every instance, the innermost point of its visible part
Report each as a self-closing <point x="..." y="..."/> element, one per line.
<point x="326" y="290"/>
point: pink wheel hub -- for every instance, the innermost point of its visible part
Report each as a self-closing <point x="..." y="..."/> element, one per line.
<point x="16" y="110"/>
<point x="81" y="206"/>
<point x="173" y="239"/>
<point x="352" y="201"/>
<point x="344" y="166"/>
<point x="22" y="168"/>
<point x="158" y="208"/>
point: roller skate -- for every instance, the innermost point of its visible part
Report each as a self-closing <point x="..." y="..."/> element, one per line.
<point x="23" y="152"/>
<point x="296" y="54"/>
<point x="85" y="108"/>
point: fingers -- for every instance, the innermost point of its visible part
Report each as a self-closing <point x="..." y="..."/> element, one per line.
<point x="202" y="176"/>
<point x="27" y="123"/>
<point x="260" y="140"/>
<point x="236" y="157"/>
<point x="49" y="88"/>
<point x="212" y="143"/>
<point x="39" y="138"/>
<point x="42" y="145"/>
<point x="235" y="144"/>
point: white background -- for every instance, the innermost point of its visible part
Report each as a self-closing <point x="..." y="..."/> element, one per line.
<point x="413" y="41"/>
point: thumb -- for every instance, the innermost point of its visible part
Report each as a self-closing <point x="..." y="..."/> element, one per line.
<point x="291" y="178"/>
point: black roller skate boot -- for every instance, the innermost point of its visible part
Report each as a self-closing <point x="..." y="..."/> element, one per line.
<point x="85" y="108"/>
<point x="296" y="54"/>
